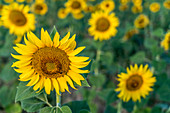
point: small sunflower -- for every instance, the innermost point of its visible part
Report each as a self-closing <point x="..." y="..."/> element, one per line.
<point x="141" y="21"/>
<point x="103" y="25"/>
<point x="123" y="2"/>
<point x="17" y="19"/>
<point x="8" y="1"/>
<point x="167" y="4"/>
<point x="62" y="13"/>
<point x="50" y="64"/>
<point x="20" y="1"/>
<point x="130" y="33"/>
<point x="123" y="7"/>
<point x="78" y="16"/>
<point x="107" y="5"/>
<point x="40" y="8"/>
<point x="154" y="7"/>
<point x="137" y="2"/>
<point x="1" y="7"/>
<point x="136" y="83"/>
<point x="166" y="42"/>
<point x="137" y="9"/>
<point x="75" y="6"/>
<point x="89" y="8"/>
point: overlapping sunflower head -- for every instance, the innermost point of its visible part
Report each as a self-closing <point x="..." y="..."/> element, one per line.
<point x="154" y="7"/>
<point x="62" y="13"/>
<point x="166" y="42"/>
<point x="167" y="4"/>
<point x="39" y="7"/>
<point x="50" y="64"/>
<point x="137" y="9"/>
<point x="141" y="21"/>
<point x="103" y="25"/>
<point x="17" y="19"/>
<point x="136" y="83"/>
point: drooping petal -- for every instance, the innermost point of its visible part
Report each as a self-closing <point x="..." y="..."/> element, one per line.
<point x="56" y="39"/>
<point x="33" y="80"/>
<point x="69" y="81"/>
<point x="56" y="85"/>
<point x="47" y="85"/>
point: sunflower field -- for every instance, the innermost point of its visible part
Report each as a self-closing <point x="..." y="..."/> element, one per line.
<point x="84" y="56"/>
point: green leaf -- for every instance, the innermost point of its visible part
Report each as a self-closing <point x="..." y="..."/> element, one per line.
<point x="150" y="43"/>
<point x="107" y="58"/>
<point x="84" y="111"/>
<point x="156" y="109"/>
<point x="25" y="92"/>
<point x="32" y="104"/>
<point x="110" y="109"/>
<point x="8" y="74"/>
<point x="164" y="91"/>
<point x="59" y="110"/>
<point x="14" y="108"/>
<point x="105" y="93"/>
<point x="159" y="32"/>
<point x="97" y="81"/>
<point x="47" y="110"/>
<point x="84" y="83"/>
<point x="53" y="32"/>
<point x="159" y="66"/>
<point x="128" y="105"/>
<point x="77" y="106"/>
<point x="138" y="58"/>
<point x="66" y="109"/>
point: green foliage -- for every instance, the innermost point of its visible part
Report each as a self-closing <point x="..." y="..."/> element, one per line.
<point x="138" y="58"/>
<point x="14" y="108"/>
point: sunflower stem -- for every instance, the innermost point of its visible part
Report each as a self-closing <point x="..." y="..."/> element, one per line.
<point x="96" y="71"/>
<point x="58" y="100"/>
<point x="119" y="107"/>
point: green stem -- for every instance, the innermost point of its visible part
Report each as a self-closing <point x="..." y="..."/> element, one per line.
<point x="119" y="107"/>
<point x="134" y="109"/>
<point x="96" y="71"/>
<point x="58" y="100"/>
<point x="45" y="100"/>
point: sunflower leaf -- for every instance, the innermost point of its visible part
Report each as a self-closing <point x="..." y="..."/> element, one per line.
<point x="25" y="92"/>
<point x="85" y="83"/>
<point x="47" y="110"/>
<point x="66" y="109"/>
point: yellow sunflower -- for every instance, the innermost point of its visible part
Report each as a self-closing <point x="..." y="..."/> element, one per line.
<point x="20" y="0"/>
<point x="62" y="13"/>
<point x="141" y="21"/>
<point x="154" y="7"/>
<point x="137" y="9"/>
<point x="166" y="42"/>
<point x="50" y="64"/>
<point x="137" y="2"/>
<point x="8" y="1"/>
<point x="123" y="7"/>
<point x="1" y="7"/>
<point x="167" y="4"/>
<point x="107" y="5"/>
<point x="17" y="19"/>
<point x="29" y="1"/>
<point x="78" y="16"/>
<point x="136" y="83"/>
<point x="103" y="25"/>
<point x="75" y="6"/>
<point x="123" y="2"/>
<point x="89" y="8"/>
<point x="130" y="33"/>
<point x="40" y="8"/>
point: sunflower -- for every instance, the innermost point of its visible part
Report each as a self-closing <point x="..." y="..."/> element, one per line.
<point x="154" y="7"/>
<point x="50" y="64"/>
<point x="166" y="42"/>
<point x="89" y="8"/>
<point x="123" y="7"/>
<point x="137" y="9"/>
<point x="137" y="2"/>
<point x="136" y="83"/>
<point x="103" y="25"/>
<point x="17" y="19"/>
<point x="167" y="4"/>
<point x="130" y="34"/>
<point x="107" y="5"/>
<point x="20" y="1"/>
<point x="8" y="1"/>
<point x="40" y="8"/>
<point x="29" y="1"/>
<point x="62" y="13"/>
<point x="75" y="6"/>
<point x="123" y="2"/>
<point x="141" y="21"/>
<point x="1" y="7"/>
<point x="78" y="16"/>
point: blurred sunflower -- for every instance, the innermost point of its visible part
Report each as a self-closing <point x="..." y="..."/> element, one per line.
<point x="17" y="19"/>
<point x="8" y="1"/>
<point x="1" y="7"/>
<point x="62" y="13"/>
<point x="141" y="21"/>
<point x="88" y="9"/>
<point x="29" y="1"/>
<point x="20" y="1"/>
<point x="167" y="4"/>
<point x="137" y="2"/>
<point x="40" y="8"/>
<point x="78" y="15"/>
<point x="123" y="7"/>
<point x="103" y="25"/>
<point x="75" y="6"/>
<point x="166" y="42"/>
<point x="130" y="33"/>
<point x="124" y="1"/>
<point x="137" y="9"/>
<point x="50" y="64"/>
<point x="136" y="83"/>
<point x="107" y="5"/>
<point x="154" y="7"/>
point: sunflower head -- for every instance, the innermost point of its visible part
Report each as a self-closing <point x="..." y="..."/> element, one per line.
<point x="20" y="1"/>
<point x="137" y="9"/>
<point x="154" y="7"/>
<point x="103" y="25"/>
<point x="39" y="8"/>
<point x="8" y="1"/>
<point x="78" y="16"/>
<point x="130" y="33"/>
<point x="123" y="7"/>
<point x="166" y="42"/>
<point x="167" y="4"/>
<point x="50" y="64"/>
<point x="136" y="83"/>
<point x="62" y="13"/>
<point x="17" y="19"/>
<point x="107" y="5"/>
<point x="141" y="21"/>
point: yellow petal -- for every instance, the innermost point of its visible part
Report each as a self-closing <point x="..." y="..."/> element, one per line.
<point x="65" y="38"/>
<point x="23" y="69"/>
<point x="74" y="78"/>
<point x="41" y="85"/>
<point x="26" y="48"/>
<point x="62" y="84"/>
<point x="22" y="57"/>
<point x="78" y="70"/>
<point x="20" y="64"/>
<point x="76" y="51"/>
<point x="47" y="84"/>
<point x="21" y="51"/>
<point x="33" y="80"/>
<point x="78" y="59"/>
<point x="69" y="81"/>
<point x="49" y="42"/>
<point x="75" y="75"/>
<point x="80" y="64"/>
<point x="29" y="44"/>
<point x="56" y="85"/>
<point x="71" y="47"/>
<point x="56" y="39"/>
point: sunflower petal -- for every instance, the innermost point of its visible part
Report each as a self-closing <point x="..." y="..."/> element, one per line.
<point x="65" y="38"/>
<point x="56" y="39"/>
<point x="78" y="59"/>
<point x="33" y="80"/>
<point x="76" y="51"/>
<point x="56" y="85"/>
<point x="80" y="64"/>
<point x="69" y="81"/>
<point x="78" y="70"/>
<point x="47" y="85"/>
<point x="63" y="85"/>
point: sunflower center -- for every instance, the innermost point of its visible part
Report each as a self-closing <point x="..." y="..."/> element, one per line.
<point x="134" y="83"/>
<point x="17" y="17"/>
<point x="76" y="5"/>
<point x="38" y="7"/>
<point x="141" y="21"/>
<point x="102" y="24"/>
<point x="50" y="62"/>
<point x="107" y="5"/>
